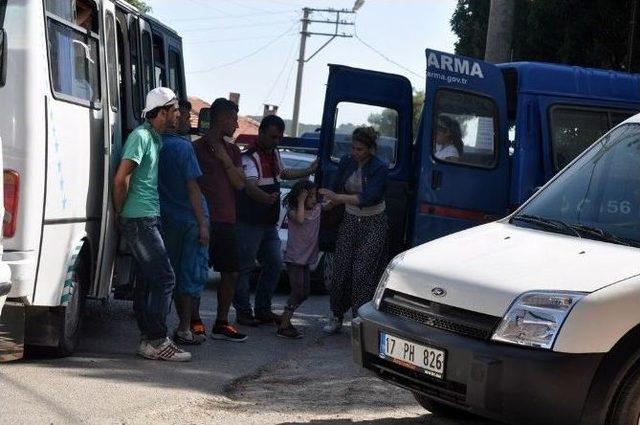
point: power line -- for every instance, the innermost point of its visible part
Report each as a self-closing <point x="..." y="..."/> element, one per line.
<point x="388" y="59"/>
<point x="286" y="85"/>
<point x="253" y="53"/>
<point x="222" y="40"/>
<point x="248" y="25"/>
<point x="284" y="66"/>
<point x="207" y="18"/>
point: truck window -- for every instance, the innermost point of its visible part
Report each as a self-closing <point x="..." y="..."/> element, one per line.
<point x="574" y="129"/>
<point x="111" y="62"/>
<point x="601" y="189"/>
<point x="72" y="41"/>
<point x="465" y="129"/>
<point x="351" y="115"/>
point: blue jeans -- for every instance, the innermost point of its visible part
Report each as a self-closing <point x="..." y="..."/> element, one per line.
<point x="263" y="243"/>
<point x="155" y="279"/>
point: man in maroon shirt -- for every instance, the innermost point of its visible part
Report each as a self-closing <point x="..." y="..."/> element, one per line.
<point x="222" y="176"/>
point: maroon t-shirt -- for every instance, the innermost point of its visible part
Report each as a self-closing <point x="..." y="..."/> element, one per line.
<point x="215" y="184"/>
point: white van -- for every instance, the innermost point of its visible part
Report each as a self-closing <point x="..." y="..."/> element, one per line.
<point x="533" y="319"/>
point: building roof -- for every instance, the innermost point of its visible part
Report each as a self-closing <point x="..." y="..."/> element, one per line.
<point x="246" y="125"/>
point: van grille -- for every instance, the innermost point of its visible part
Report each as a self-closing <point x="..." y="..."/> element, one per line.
<point x="440" y="316"/>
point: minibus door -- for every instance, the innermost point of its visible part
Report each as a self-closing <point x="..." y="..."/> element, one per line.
<point x="356" y="97"/>
<point x="112" y="150"/>
<point x="462" y="151"/>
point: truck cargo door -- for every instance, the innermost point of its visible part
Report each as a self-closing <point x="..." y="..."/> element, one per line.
<point x="462" y="147"/>
<point x="357" y="97"/>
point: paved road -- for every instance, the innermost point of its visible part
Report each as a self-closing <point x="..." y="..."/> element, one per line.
<point x="266" y="380"/>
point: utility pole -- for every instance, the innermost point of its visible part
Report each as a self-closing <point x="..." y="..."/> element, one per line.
<point x="303" y="45"/>
<point x="499" y="31"/>
<point x="337" y="22"/>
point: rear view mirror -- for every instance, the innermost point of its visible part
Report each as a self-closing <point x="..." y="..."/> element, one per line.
<point x="3" y="57"/>
<point x="204" y="120"/>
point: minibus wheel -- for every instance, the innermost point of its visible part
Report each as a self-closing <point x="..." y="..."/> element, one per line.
<point x="626" y="407"/>
<point x="440" y="409"/>
<point x="69" y="332"/>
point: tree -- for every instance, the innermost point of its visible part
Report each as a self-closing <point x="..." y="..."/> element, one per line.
<point x="385" y="122"/>
<point x="141" y="5"/>
<point x="577" y="32"/>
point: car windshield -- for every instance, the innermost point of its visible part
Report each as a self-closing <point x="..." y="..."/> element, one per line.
<point x="598" y="196"/>
<point x="301" y="161"/>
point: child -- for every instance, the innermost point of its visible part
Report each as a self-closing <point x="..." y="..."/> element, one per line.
<point x="303" y="214"/>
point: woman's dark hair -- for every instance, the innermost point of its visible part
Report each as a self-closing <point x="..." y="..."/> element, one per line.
<point x="454" y="130"/>
<point x="271" y="120"/>
<point x="367" y="136"/>
<point x="291" y="199"/>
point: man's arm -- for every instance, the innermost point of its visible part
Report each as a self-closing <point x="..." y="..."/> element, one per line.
<point x="254" y="192"/>
<point x="235" y="174"/>
<point x="121" y="183"/>
<point x="195" y="198"/>
<point x="298" y="173"/>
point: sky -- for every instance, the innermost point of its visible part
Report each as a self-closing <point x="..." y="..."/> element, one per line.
<point x="251" y="46"/>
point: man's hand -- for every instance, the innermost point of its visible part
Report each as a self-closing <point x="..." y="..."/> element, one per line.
<point x="204" y="235"/>
<point x="221" y="153"/>
<point x="328" y="194"/>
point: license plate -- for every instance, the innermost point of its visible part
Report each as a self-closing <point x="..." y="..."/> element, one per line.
<point x="428" y="360"/>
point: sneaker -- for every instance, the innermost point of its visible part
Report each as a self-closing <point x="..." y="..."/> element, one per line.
<point x="290" y="332"/>
<point x="227" y="332"/>
<point x="269" y="318"/>
<point x="166" y="350"/>
<point x="247" y="320"/>
<point x="186" y="338"/>
<point x="334" y="326"/>
<point x="198" y="330"/>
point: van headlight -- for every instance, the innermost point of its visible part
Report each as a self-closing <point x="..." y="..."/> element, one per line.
<point x="382" y="285"/>
<point x="535" y="318"/>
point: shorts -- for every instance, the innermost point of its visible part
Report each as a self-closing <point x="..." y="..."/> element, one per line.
<point x="189" y="258"/>
<point x="223" y="248"/>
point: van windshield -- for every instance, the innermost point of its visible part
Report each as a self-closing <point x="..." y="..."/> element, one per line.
<point x="598" y="196"/>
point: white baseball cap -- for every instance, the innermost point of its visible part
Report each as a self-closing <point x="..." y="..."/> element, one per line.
<point x="157" y="98"/>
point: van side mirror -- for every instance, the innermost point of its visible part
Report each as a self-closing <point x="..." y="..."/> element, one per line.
<point x="204" y="120"/>
<point x="3" y="57"/>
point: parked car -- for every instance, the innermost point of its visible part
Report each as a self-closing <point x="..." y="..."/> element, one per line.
<point x="531" y="319"/>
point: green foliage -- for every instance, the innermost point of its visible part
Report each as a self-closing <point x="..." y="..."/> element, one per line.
<point x="577" y="32"/>
<point x="385" y="122"/>
<point x="141" y="5"/>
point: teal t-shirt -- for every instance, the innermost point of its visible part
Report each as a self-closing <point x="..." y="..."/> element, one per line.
<point x="143" y="147"/>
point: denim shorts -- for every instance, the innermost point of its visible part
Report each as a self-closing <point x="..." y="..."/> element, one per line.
<point x="189" y="258"/>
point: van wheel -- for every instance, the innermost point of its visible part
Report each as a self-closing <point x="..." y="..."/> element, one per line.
<point x="626" y="409"/>
<point x="440" y="409"/>
<point x="69" y="332"/>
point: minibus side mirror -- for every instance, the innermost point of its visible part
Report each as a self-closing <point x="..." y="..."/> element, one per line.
<point x="204" y="120"/>
<point x="3" y="57"/>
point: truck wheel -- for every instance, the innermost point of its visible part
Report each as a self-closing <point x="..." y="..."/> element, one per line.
<point x="440" y="409"/>
<point x="69" y="331"/>
<point x="626" y="408"/>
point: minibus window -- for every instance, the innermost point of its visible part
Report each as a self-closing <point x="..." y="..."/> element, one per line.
<point x="600" y="190"/>
<point x="147" y="64"/>
<point x="158" y="58"/>
<point x="111" y="62"/>
<point x="351" y="115"/>
<point x="465" y="129"/>
<point x="135" y="69"/>
<point x="175" y="73"/>
<point x="73" y="50"/>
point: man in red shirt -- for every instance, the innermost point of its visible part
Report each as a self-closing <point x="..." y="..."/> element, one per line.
<point x="222" y="176"/>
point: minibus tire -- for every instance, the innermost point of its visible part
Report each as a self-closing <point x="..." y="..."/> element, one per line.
<point x="626" y="408"/>
<point x="441" y="409"/>
<point x="69" y="332"/>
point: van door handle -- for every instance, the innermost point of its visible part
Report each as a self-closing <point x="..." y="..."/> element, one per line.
<point x="436" y="179"/>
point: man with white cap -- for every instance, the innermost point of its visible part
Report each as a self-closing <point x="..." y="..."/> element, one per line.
<point x="136" y="201"/>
